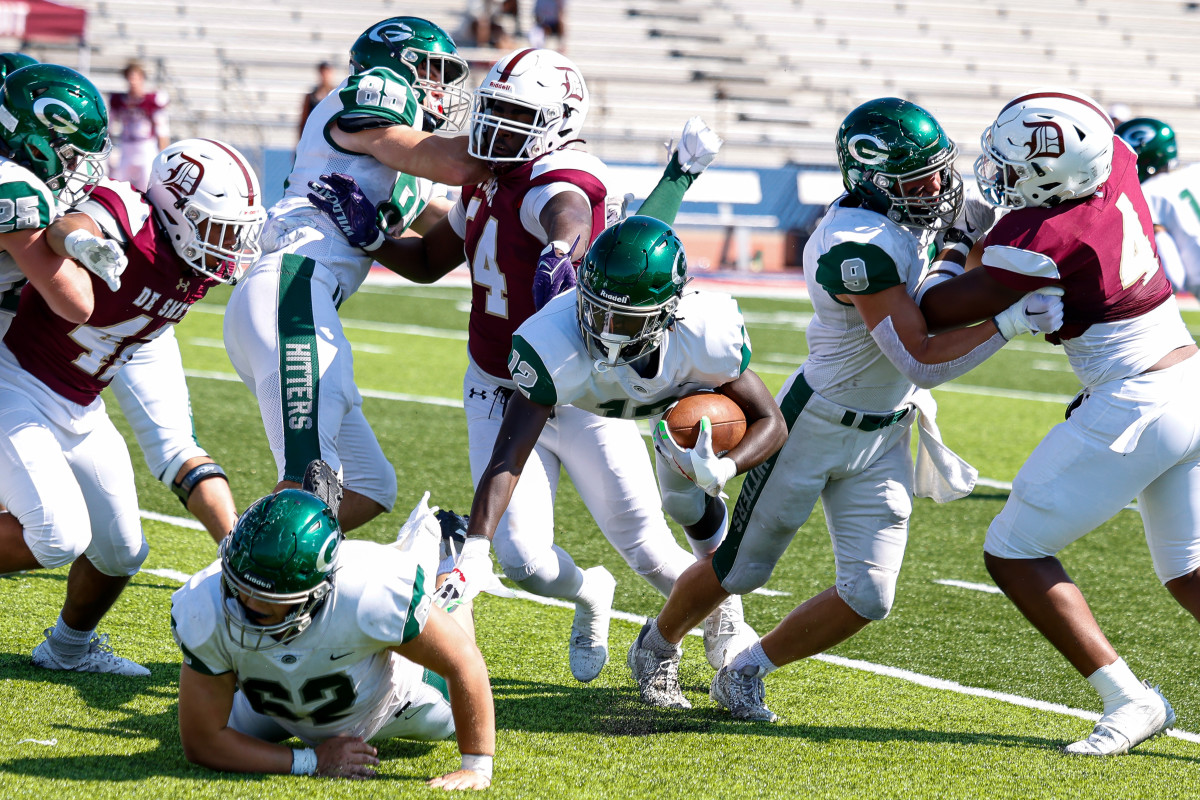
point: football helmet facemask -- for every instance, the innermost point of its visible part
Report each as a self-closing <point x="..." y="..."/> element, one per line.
<point x="630" y="283"/>
<point x="530" y="103"/>
<point x="890" y="151"/>
<point x="53" y="122"/>
<point x="426" y="56"/>
<point x="206" y="196"/>
<point x="282" y="550"/>
<point x="1046" y="146"/>
<point x="1153" y="141"/>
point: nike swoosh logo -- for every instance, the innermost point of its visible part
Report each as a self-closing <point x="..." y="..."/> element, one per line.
<point x="343" y="655"/>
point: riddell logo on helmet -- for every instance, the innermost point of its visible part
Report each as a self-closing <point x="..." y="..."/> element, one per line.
<point x="500" y="85"/>
<point x="613" y="297"/>
<point x="184" y="177"/>
<point x="250" y="577"/>
<point x="1046" y="141"/>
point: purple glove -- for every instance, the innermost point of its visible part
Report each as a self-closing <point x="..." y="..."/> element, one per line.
<point x="340" y="198"/>
<point x="555" y="273"/>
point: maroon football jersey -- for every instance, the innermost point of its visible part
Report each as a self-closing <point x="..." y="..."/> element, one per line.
<point x="78" y="361"/>
<point x="503" y="255"/>
<point x="1093" y="242"/>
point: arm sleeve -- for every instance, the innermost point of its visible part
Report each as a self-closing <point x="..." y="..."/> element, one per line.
<point x="1172" y="264"/>
<point x="536" y="199"/>
<point x="927" y="376"/>
<point x="664" y="200"/>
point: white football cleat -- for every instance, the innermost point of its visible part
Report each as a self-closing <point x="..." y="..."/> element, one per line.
<point x="743" y="693"/>
<point x="1127" y="726"/>
<point x="726" y="633"/>
<point x="589" y="632"/>
<point x="99" y="658"/>
<point x="657" y="674"/>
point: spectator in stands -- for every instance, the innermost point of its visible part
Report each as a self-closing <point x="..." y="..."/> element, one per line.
<point x="326" y="83"/>
<point x="481" y="26"/>
<point x="549" y="19"/>
<point x="1120" y="112"/>
<point x="139" y="120"/>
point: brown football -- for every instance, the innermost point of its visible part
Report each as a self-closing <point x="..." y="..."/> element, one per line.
<point x="728" y="421"/>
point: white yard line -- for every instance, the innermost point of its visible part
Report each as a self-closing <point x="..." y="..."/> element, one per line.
<point x="978" y="587"/>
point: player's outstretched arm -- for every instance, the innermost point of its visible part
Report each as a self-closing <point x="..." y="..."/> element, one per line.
<point x="965" y="300"/>
<point x="66" y="286"/>
<point x="204" y="705"/>
<point x="440" y="159"/>
<point x="444" y="647"/>
<point x="899" y="328"/>
<point x="698" y="146"/>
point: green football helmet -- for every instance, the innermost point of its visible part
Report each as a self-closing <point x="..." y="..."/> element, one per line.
<point x="630" y="283"/>
<point x="1153" y="141"/>
<point x="11" y="62"/>
<point x="53" y="122"/>
<point x="282" y="550"/>
<point x="425" y="55"/>
<point x="887" y="146"/>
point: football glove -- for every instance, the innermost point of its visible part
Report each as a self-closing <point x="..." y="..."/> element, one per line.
<point x="699" y="464"/>
<point x="698" y="146"/>
<point x="102" y="257"/>
<point x="555" y="273"/>
<point x="471" y="575"/>
<point x="1036" y="312"/>
<point x="422" y="521"/>
<point x="339" y="197"/>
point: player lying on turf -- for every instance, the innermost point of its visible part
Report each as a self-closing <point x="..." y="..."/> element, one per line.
<point x="294" y="632"/>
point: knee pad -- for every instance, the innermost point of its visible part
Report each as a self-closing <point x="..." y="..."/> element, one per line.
<point x="52" y="550"/>
<point x="870" y="592"/>
<point x="745" y="578"/>
<point x="685" y="506"/>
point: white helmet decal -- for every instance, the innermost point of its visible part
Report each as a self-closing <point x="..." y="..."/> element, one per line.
<point x="876" y="152"/>
<point x="323" y="560"/>
<point x="390" y="32"/>
<point x="54" y="113"/>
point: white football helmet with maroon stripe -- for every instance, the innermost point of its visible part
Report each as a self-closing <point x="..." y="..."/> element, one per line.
<point x="206" y="196"/>
<point x="1046" y="146"/>
<point x="531" y="102"/>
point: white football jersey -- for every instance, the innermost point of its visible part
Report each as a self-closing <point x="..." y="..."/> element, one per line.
<point x="706" y="347"/>
<point x="25" y="203"/>
<point x="857" y="251"/>
<point x="1174" y="200"/>
<point x="377" y="94"/>
<point x="337" y="676"/>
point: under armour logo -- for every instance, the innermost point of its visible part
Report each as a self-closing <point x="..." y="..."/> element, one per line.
<point x="482" y="393"/>
<point x="183" y="285"/>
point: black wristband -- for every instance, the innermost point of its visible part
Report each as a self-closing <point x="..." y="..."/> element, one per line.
<point x="183" y="488"/>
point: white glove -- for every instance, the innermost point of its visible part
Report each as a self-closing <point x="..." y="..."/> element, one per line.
<point x="699" y="464"/>
<point x="422" y="521"/>
<point x="472" y="574"/>
<point x="1036" y="312"/>
<point x="103" y="257"/>
<point x="698" y="146"/>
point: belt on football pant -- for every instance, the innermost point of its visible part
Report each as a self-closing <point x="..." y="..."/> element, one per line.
<point x="861" y="419"/>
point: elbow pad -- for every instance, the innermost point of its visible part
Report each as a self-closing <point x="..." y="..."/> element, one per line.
<point x="929" y="375"/>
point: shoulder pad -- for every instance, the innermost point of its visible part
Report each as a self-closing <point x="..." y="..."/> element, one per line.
<point x="530" y="373"/>
<point x="25" y="202"/>
<point x="853" y="267"/>
<point x="379" y="92"/>
<point x="393" y="592"/>
<point x="195" y="617"/>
